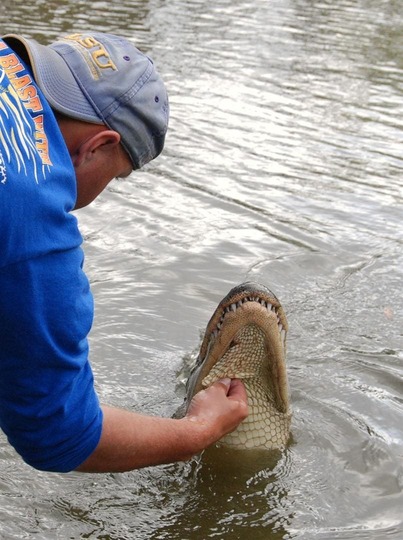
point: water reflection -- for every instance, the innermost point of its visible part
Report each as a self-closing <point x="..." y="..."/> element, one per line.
<point x="233" y="493"/>
<point x="283" y="164"/>
<point x="45" y="20"/>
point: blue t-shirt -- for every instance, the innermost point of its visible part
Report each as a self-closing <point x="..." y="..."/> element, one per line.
<point x="48" y="406"/>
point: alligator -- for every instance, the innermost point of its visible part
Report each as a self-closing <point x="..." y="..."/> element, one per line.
<point x="246" y="339"/>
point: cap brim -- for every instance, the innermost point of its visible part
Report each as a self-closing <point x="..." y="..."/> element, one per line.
<point x="56" y="80"/>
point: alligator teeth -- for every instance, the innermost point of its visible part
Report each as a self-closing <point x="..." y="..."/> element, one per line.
<point x="283" y="334"/>
<point x="233" y="307"/>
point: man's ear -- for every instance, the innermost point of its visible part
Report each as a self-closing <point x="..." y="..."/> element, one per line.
<point x="103" y="141"/>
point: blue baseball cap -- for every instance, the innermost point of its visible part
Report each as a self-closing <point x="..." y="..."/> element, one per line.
<point x="103" y="79"/>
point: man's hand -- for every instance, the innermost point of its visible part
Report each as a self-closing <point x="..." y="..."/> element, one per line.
<point x="220" y="408"/>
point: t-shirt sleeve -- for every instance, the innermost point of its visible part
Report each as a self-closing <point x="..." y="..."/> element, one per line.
<point x="49" y="409"/>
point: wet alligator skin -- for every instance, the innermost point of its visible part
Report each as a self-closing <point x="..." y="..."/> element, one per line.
<point x="246" y="339"/>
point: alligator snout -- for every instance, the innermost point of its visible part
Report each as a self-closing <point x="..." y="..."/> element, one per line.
<point x="246" y="339"/>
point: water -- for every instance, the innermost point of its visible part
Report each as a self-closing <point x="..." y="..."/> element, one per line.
<point x="284" y="165"/>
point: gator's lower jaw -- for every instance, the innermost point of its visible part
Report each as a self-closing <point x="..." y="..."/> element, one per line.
<point x="246" y="339"/>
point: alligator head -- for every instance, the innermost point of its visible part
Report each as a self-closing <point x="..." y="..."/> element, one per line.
<point x="246" y="339"/>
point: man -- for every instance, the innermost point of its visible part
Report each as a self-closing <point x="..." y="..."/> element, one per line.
<point x="74" y="115"/>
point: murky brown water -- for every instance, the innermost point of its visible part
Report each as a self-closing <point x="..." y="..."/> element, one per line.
<point x="283" y="164"/>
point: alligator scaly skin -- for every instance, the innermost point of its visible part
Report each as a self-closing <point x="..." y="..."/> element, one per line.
<point x="246" y="339"/>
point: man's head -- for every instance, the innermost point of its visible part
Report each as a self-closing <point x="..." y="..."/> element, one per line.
<point x="110" y="87"/>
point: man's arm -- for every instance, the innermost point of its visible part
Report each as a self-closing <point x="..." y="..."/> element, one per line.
<point x="48" y="406"/>
<point x="130" y="440"/>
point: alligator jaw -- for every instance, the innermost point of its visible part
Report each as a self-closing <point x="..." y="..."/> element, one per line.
<point x="246" y="339"/>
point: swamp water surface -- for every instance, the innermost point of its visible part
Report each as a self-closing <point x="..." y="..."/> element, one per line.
<point x="283" y="164"/>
